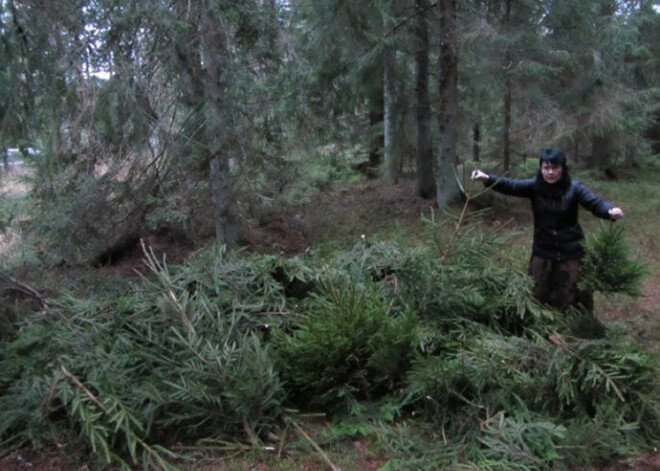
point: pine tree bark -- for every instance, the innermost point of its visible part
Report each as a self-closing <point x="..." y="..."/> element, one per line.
<point x="602" y="149"/>
<point x="447" y="189"/>
<point x="216" y="128"/>
<point x="506" y="138"/>
<point x="376" y="140"/>
<point x="391" y="173"/>
<point x="476" y="142"/>
<point x="223" y="202"/>
<point x="5" y="160"/>
<point x="425" y="186"/>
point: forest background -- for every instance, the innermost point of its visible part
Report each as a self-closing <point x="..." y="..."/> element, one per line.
<point x="302" y="166"/>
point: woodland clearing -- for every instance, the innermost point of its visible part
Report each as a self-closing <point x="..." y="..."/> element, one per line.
<point x="342" y="217"/>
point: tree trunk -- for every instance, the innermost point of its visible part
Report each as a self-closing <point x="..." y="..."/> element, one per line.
<point x="391" y="174"/>
<point x="223" y="202"/>
<point x="425" y="179"/>
<point x="476" y="142"/>
<point x="506" y="137"/>
<point x="652" y="133"/>
<point x="602" y="148"/>
<point x="216" y="126"/>
<point x="376" y="140"/>
<point x="5" y="160"/>
<point x="447" y="189"/>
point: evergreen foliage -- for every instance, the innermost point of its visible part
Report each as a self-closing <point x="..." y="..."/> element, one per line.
<point x="217" y="348"/>
<point x="608" y="265"/>
<point x="126" y="372"/>
<point x="439" y="350"/>
<point x="347" y="346"/>
<point x="132" y="150"/>
<point x="525" y="403"/>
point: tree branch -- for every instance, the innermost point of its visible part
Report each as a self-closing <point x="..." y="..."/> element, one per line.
<point x="25" y="289"/>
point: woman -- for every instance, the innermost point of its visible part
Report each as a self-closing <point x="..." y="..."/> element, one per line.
<point x="557" y="247"/>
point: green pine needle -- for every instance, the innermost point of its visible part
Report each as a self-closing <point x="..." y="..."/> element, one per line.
<point x="608" y="266"/>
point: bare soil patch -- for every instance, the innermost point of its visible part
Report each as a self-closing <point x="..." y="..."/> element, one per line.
<point x="27" y="460"/>
<point x="342" y="215"/>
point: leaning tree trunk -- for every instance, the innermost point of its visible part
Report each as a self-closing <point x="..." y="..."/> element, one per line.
<point x="425" y="179"/>
<point x="447" y="189"/>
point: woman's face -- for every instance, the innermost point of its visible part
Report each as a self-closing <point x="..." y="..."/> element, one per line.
<point x="551" y="173"/>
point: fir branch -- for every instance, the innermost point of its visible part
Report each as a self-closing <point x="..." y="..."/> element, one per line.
<point x="82" y="387"/>
<point x="122" y="421"/>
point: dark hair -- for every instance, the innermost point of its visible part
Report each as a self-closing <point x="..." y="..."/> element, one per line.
<point x="553" y="156"/>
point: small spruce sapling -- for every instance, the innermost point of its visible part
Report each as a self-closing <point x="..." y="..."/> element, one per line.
<point x="608" y="266"/>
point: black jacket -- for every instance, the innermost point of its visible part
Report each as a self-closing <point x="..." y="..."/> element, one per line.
<point x="557" y="232"/>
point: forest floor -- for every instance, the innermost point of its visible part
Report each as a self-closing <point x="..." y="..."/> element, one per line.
<point x="340" y="218"/>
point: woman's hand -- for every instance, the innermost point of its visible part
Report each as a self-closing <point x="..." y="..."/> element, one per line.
<point x="479" y="176"/>
<point x="616" y="213"/>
